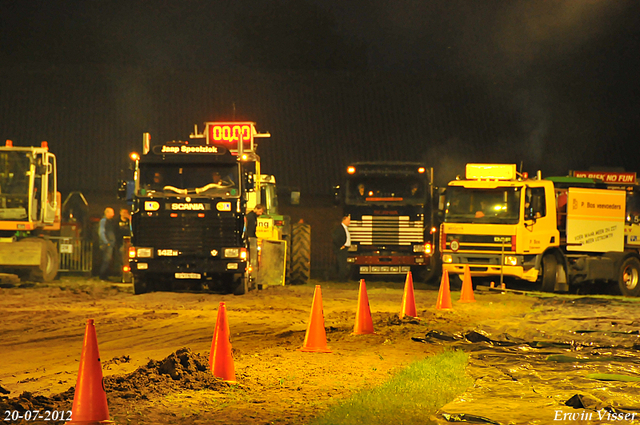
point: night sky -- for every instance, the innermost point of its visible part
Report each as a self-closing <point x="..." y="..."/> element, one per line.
<point x="566" y="70"/>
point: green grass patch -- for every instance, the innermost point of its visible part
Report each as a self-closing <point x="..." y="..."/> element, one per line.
<point x="410" y="397"/>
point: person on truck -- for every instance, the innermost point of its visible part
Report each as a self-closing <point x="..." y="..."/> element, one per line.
<point x="483" y="209"/>
<point x="157" y="181"/>
<point x="361" y="194"/>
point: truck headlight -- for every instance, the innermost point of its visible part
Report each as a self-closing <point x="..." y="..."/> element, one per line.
<point x="353" y="248"/>
<point x="510" y="260"/>
<point x="231" y="252"/>
<point x="151" y="206"/>
<point x="235" y="253"/>
<point x="425" y="248"/>
<point x="144" y="252"/>
<point x="446" y="258"/>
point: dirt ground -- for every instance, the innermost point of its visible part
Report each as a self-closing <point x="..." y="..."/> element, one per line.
<point x="532" y="357"/>
<point x="155" y="347"/>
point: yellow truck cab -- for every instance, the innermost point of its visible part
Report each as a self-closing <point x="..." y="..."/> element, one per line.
<point x="556" y="232"/>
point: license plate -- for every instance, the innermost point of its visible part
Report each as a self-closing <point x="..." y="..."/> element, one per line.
<point x="66" y="248"/>
<point x="188" y="276"/>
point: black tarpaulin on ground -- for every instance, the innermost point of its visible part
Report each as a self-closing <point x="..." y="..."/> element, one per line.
<point x="567" y="361"/>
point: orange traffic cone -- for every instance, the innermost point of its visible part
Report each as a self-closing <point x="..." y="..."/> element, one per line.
<point x="316" y="338"/>
<point x="444" y="294"/>
<point x="408" y="299"/>
<point x="90" y="399"/>
<point x="466" y="295"/>
<point x="220" y="358"/>
<point x="364" y="324"/>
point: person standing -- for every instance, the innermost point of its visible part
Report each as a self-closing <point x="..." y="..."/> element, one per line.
<point x="107" y="238"/>
<point x="252" y="221"/>
<point x="123" y="229"/>
<point x="341" y="243"/>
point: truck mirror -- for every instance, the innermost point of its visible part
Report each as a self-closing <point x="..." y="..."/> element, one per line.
<point x="337" y="195"/>
<point x="295" y="197"/>
<point x="122" y="190"/>
<point x="250" y="182"/>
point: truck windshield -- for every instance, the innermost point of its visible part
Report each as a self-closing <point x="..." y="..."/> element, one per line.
<point x="472" y="205"/>
<point x="204" y="180"/>
<point x="14" y="185"/>
<point x="385" y="189"/>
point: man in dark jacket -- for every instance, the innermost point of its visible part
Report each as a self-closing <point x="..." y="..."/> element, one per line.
<point x="341" y="243"/>
<point x="107" y="237"/>
<point x="252" y="221"/>
<point x="123" y="229"/>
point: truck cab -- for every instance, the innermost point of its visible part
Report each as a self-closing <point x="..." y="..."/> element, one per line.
<point x="188" y="211"/>
<point x="392" y="228"/>
<point x="497" y="223"/>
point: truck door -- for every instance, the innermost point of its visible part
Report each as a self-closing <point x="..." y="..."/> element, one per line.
<point x="49" y="190"/>
<point x="540" y="221"/>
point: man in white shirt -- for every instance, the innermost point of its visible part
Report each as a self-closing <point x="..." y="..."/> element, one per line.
<point x="341" y="244"/>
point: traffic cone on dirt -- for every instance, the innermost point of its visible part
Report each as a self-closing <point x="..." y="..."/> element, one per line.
<point x="364" y="324"/>
<point x="408" y="299"/>
<point x="466" y="295"/>
<point x="220" y="358"/>
<point x="90" y="399"/>
<point x="444" y="294"/>
<point x="316" y="338"/>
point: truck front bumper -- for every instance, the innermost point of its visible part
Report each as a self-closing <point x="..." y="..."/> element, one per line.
<point x="187" y="269"/>
<point x="388" y="264"/>
<point x="488" y="270"/>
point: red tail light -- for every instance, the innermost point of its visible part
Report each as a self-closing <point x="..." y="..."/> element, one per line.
<point x="513" y="243"/>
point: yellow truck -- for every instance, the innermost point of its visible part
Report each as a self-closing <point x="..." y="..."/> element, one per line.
<point x="558" y="232"/>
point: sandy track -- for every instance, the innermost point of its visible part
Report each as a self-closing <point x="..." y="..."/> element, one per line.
<point x="43" y="328"/>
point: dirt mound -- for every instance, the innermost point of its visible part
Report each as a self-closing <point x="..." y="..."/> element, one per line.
<point x="182" y="370"/>
<point x="27" y="401"/>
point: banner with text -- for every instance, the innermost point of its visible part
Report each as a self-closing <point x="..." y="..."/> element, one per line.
<point x="595" y="220"/>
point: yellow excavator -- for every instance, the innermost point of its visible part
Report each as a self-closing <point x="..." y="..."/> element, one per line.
<point x="29" y="212"/>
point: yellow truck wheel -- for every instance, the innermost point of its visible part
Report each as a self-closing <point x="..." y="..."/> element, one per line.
<point x="629" y="277"/>
<point x="549" y="271"/>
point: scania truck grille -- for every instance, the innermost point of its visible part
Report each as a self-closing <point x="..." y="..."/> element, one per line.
<point x="375" y="230"/>
<point x="188" y="233"/>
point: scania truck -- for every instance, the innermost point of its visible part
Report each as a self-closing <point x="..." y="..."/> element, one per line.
<point x="189" y="209"/>
<point x="188" y="222"/>
<point x="393" y="229"/>
<point x="558" y="232"/>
